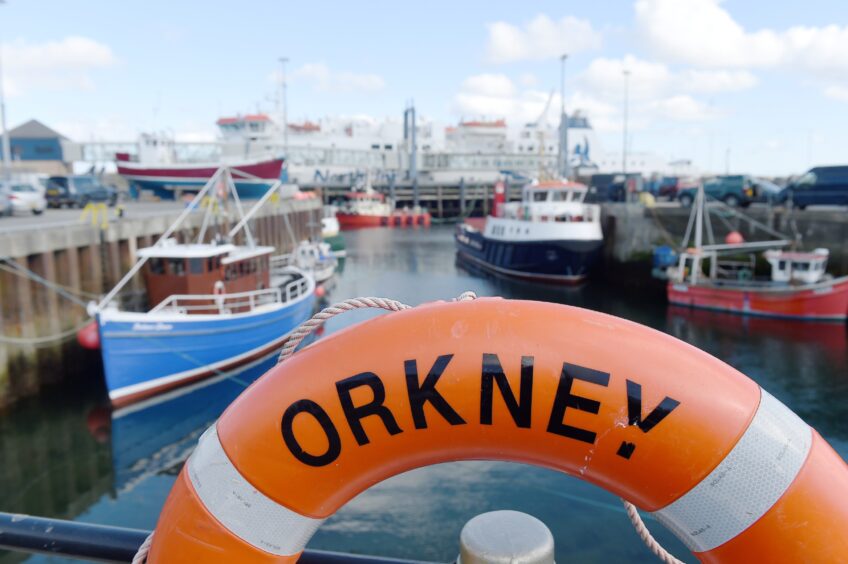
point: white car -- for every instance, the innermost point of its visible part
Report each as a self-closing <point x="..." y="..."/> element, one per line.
<point x="27" y="198"/>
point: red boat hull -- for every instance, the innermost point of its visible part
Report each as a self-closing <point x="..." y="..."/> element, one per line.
<point x="397" y="219"/>
<point x="824" y="301"/>
<point x="357" y="221"/>
<point x="264" y="170"/>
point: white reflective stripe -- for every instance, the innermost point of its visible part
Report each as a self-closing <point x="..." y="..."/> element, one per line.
<point x="244" y="511"/>
<point x="746" y="484"/>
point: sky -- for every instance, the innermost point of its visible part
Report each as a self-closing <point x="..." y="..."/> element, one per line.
<point x="736" y="85"/>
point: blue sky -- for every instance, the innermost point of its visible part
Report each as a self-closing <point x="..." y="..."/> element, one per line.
<point x="766" y="80"/>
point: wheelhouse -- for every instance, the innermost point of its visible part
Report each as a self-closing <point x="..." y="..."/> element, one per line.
<point x="204" y="269"/>
<point x="806" y="268"/>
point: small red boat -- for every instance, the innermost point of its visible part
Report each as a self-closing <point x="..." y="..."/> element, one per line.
<point x="721" y="277"/>
<point x="370" y="209"/>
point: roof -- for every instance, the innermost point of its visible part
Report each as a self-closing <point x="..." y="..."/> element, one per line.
<point x="476" y="123"/>
<point x="185" y="251"/>
<point x="248" y="117"/>
<point x="557" y="185"/>
<point x="34" y="129"/>
<point x="244" y="253"/>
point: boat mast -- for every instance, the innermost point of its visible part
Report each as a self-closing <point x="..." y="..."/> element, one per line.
<point x="137" y="266"/>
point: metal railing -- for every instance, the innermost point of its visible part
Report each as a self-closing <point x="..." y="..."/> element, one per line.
<point x="113" y="544"/>
<point x="221" y="303"/>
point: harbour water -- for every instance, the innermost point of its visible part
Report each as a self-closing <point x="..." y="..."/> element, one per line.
<point x="65" y="455"/>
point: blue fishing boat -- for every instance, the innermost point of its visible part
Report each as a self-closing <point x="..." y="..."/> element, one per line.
<point x="215" y="305"/>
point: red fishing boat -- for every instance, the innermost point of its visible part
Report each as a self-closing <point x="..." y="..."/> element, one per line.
<point x="721" y="277"/>
<point x="369" y="208"/>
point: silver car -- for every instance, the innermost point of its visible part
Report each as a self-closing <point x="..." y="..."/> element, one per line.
<point x="27" y="198"/>
<point x="5" y="201"/>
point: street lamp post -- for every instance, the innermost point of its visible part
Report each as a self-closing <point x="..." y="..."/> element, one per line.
<point x="564" y="168"/>
<point x="283" y="61"/>
<point x="7" y="156"/>
<point x="624" y="136"/>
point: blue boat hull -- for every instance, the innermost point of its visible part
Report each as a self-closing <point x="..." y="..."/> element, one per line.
<point x="555" y="262"/>
<point x="146" y="356"/>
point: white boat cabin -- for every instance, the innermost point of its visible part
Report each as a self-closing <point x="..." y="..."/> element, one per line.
<point x="365" y="203"/>
<point x="806" y="268"/>
<point x="553" y="201"/>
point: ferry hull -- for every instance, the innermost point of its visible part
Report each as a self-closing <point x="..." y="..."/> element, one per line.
<point x="823" y="302"/>
<point x="252" y="180"/>
<point x="565" y="262"/>
<point x="144" y="357"/>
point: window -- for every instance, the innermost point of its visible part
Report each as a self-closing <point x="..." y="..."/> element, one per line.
<point x="176" y="266"/>
<point x="540" y="196"/>
<point x="781" y="265"/>
<point x="195" y="265"/>
<point x="157" y="266"/>
<point x="560" y="196"/>
<point x="22" y="188"/>
<point x="807" y="181"/>
<point x="801" y="266"/>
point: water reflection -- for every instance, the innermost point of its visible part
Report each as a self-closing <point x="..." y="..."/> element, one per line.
<point x="70" y="458"/>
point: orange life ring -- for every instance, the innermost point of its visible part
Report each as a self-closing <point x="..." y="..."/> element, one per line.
<point x="734" y="473"/>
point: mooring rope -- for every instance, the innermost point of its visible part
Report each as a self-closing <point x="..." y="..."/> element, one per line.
<point x="646" y="536"/>
<point x="317" y="320"/>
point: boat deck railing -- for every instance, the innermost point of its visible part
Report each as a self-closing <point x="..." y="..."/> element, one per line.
<point x="225" y="303"/>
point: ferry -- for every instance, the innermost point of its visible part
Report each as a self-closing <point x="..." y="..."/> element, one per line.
<point x="215" y="306"/>
<point x="551" y="236"/>
<point x="722" y="277"/>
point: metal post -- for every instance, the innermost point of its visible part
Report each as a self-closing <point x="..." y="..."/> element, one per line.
<point x="564" y="167"/>
<point x="7" y="155"/>
<point x="505" y="536"/>
<point x="462" y="196"/>
<point x="413" y="157"/>
<point x="624" y="137"/>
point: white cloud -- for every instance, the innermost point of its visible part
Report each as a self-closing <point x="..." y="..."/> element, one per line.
<point x="702" y="33"/>
<point x="838" y="93"/>
<point x="650" y="80"/>
<point x="682" y="107"/>
<point x="528" y="79"/>
<point x="711" y="81"/>
<point x="495" y="96"/>
<point x="326" y="80"/>
<point x="65" y="64"/>
<point x="540" y="38"/>
<point x="495" y="85"/>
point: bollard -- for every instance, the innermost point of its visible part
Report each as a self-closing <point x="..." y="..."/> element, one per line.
<point x="505" y="537"/>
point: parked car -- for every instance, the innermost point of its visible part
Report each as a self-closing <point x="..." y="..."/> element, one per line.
<point x="5" y="201"/>
<point x="27" y="198"/>
<point x="822" y="185"/>
<point x="738" y="190"/>
<point x="78" y="191"/>
<point x="613" y="187"/>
